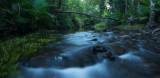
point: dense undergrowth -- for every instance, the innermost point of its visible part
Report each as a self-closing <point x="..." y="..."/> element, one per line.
<point x="122" y="27"/>
<point x="100" y="26"/>
<point x="25" y="16"/>
<point x="128" y="27"/>
<point x="12" y="50"/>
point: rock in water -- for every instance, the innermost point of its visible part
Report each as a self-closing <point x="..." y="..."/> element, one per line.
<point x="94" y="36"/>
<point x="97" y="49"/>
<point x="118" y="49"/>
<point x="94" y="39"/>
<point x="105" y="30"/>
<point x="110" y="56"/>
<point x="64" y="56"/>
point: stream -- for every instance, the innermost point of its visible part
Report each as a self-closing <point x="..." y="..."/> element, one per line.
<point x="90" y="54"/>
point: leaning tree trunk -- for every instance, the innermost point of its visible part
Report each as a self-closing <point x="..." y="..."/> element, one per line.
<point x="152" y="22"/>
<point x="88" y="15"/>
<point x="126" y="9"/>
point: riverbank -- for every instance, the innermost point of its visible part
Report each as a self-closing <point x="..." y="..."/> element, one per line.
<point x="16" y="48"/>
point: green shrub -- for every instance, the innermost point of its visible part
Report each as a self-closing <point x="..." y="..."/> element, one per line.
<point x="66" y="21"/>
<point x="112" y="23"/>
<point x="127" y="27"/>
<point x="25" y="15"/>
<point x="158" y="3"/>
<point x="100" y="26"/>
<point x="77" y="21"/>
<point x="143" y="19"/>
<point x="145" y="2"/>
<point x="143" y="10"/>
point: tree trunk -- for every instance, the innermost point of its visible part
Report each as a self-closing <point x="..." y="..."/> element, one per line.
<point x="126" y="9"/>
<point x="139" y="2"/>
<point x="152" y="22"/>
<point x="59" y="4"/>
<point x="133" y="5"/>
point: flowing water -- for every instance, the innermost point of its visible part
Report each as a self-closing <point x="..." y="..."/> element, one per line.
<point x="75" y="56"/>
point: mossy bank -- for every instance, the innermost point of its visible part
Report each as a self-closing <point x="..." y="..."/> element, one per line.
<point x="11" y="50"/>
<point x="123" y="27"/>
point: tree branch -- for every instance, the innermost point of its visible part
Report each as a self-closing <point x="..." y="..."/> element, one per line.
<point x="88" y="15"/>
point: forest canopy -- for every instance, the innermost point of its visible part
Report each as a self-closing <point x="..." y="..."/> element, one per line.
<point x="22" y="16"/>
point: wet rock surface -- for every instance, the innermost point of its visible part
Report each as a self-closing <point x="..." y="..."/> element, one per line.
<point x="94" y="39"/>
<point x="97" y="49"/>
<point x="94" y="55"/>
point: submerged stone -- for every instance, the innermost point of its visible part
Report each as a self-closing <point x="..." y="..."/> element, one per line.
<point x="94" y="36"/>
<point x="94" y="39"/>
<point x="110" y="56"/>
<point x="97" y="49"/>
<point x="118" y="49"/>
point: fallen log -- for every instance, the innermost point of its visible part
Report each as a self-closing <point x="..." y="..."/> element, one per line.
<point x="88" y="15"/>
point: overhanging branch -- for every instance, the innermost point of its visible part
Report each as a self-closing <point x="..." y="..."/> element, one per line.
<point x="87" y="15"/>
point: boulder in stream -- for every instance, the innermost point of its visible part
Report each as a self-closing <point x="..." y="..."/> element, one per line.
<point x="125" y="37"/>
<point x="95" y="39"/>
<point x="64" y="56"/>
<point x="110" y="56"/>
<point x="94" y="36"/>
<point x="118" y="49"/>
<point x="97" y="49"/>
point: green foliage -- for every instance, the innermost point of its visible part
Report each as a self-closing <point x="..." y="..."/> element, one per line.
<point x="111" y="23"/>
<point x="22" y="16"/>
<point x="100" y="26"/>
<point x="143" y="13"/>
<point x="26" y="15"/>
<point x="65" y="21"/>
<point x="78" y="21"/>
<point x="145" y="2"/>
<point x="143" y="19"/>
<point x="118" y="14"/>
<point x="126" y="27"/>
<point x="158" y="3"/>
<point x="117" y="5"/>
<point x="13" y="49"/>
<point x="143" y="10"/>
